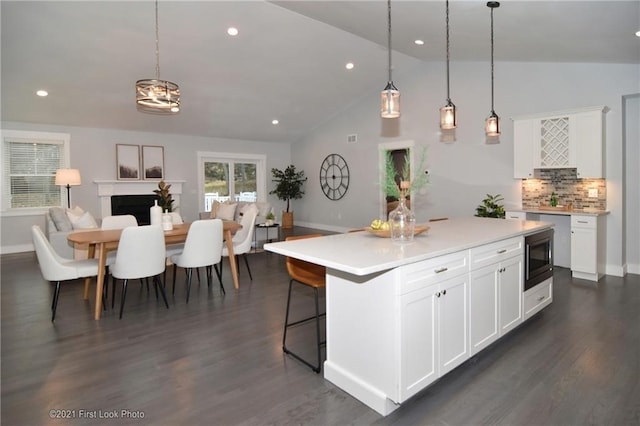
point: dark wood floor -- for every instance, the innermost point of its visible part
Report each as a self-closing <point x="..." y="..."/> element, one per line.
<point x="218" y="360"/>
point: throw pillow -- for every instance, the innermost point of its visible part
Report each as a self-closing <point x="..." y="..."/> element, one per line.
<point x="60" y="219"/>
<point x="84" y="221"/>
<point x="226" y="211"/>
<point x="214" y="209"/>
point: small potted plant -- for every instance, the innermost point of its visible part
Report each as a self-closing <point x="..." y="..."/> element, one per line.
<point x="491" y="207"/>
<point x="288" y="187"/>
<point x="270" y="219"/>
<point x="165" y="199"/>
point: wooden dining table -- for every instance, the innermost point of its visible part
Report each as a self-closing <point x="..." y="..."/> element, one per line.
<point x="101" y="242"/>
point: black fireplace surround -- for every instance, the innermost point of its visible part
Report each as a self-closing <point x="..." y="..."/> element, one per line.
<point x="136" y="205"/>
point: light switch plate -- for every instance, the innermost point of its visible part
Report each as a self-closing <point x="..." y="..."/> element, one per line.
<point x="593" y="193"/>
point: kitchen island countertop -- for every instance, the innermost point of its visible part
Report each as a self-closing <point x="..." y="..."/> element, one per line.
<point x="361" y="253"/>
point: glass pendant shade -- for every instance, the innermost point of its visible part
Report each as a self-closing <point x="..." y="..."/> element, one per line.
<point x="492" y="125"/>
<point x="157" y="96"/>
<point x="448" y="116"/>
<point x="390" y="105"/>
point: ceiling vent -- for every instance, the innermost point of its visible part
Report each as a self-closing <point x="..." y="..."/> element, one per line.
<point x="352" y="138"/>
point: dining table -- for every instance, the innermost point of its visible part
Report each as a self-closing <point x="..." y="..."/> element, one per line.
<point x="100" y="242"/>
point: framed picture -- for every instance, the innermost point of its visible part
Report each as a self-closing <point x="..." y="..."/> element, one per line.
<point x="152" y="162"/>
<point x="128" y="161"/>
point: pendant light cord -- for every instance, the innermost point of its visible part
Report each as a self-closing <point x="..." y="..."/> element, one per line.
<point x="157" y="46"/>
<point x="447" y="20"/>
<point x="389" y="35"/>
<point x="492" y="110"/>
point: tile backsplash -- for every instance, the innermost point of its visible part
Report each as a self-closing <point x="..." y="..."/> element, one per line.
<point x="569" y="189"/>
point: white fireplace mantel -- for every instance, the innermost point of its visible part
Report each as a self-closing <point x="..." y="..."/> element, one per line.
<point x="107" y="188"/>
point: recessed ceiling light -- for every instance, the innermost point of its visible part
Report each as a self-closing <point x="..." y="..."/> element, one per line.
<point x="232" y="31"/>
<point x="638" y="33"/>
<point x="419" y="42"/>
<point x="42" y="93"/>
<point x="349" y="65"/>
<point x="274" y="122"/>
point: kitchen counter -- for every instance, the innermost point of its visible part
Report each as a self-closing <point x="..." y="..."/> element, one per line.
<point x="400" y="316"/>
<point x="362" y="253"/>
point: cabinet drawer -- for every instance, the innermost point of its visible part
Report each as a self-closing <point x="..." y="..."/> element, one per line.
<point x="584" y="221"/>
<point x="427" y="272"/>
<point x="516" y="215"/>
<point x="538" y="297"/>
<point x="495" y="252"/>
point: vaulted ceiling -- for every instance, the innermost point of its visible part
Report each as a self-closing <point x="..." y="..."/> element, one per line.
<point x="287" y="63"/>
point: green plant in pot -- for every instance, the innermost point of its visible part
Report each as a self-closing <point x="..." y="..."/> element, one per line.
<point x="289" y="184"/>
<point x="270" y="218"/>
<point x="491" y="207"/>
<point x="165" y="200"/>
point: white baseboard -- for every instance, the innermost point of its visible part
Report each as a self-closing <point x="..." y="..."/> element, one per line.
<point x="18" y="248"/>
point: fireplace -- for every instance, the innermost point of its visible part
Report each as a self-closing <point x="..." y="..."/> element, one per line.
<point x="109" y="189"/>
<point x="137" y="205"/>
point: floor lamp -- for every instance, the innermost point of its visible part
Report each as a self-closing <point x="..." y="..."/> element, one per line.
<point x="68" y="178"/>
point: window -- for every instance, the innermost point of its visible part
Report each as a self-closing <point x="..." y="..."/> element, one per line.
<point x="230" y="177"/>
<point x="30" y="161"/>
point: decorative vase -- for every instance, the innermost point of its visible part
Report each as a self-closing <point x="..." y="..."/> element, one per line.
<point x="402" y="222"/>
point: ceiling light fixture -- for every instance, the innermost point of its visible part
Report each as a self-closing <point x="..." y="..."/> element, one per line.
<point x="390" y="95"/>
<point x="419" y="42"/>
<point x="448" y="113"/>
<point x="349" y="65"/>
<point x="42" y="93"/>
<point x="492" y="124"/>
<point x="232" y="31"/>
<point x="154" y="95"/>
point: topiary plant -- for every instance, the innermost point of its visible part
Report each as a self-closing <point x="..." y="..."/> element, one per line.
<point x="490" y="207"/>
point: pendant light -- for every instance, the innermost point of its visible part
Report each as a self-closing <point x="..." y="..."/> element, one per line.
<point x="390" y="107"/>
<point x="448" y="113"/>
<point x="157" y="96"/>
<point x="492" y="124"/>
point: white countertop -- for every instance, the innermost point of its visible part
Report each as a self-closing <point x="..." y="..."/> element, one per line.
<point x="362" y="253"/>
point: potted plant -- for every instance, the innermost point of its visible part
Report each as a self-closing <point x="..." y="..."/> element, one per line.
<point x="491" y="207"/>
<point x="165" y="200"/>
<point x="288" y="187"/>
<point x="270" y="218"/>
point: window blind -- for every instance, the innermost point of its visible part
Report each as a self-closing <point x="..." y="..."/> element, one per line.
<point x="29" y="172"/>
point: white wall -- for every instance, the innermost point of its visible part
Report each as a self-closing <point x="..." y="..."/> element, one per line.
<point x="462" y="173"/>
<point x="93" y="152"/>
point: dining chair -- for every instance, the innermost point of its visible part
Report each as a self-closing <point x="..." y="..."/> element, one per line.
<point x="141" y="253"/>
<point x="202" y="248"/>
<point x="243" y="238"/>
<point x="58" y="269"/>
<point x="313" y="276"/>
<point x="119" y="221"/>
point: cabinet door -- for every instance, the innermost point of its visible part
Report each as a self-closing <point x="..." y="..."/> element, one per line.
<point x="418" y="321"/>
<point x="452" y="323"/>
<point x="483" y="308"/>
<point x="584" y="250"/>
<point x="587" y="131"/>
<point x="552" y="143"/>
<point x="523" y="149"/>
<point x="510" y="294"/>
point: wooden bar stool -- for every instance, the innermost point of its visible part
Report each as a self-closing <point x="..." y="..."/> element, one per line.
<point x="310" y="275"/>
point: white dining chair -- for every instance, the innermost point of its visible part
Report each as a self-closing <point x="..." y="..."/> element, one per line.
<point x="243" y="238"/>
<point x="141" y="254"/>
<point x="202" y="248"/>
<point x="120" y="221"/>
<point x="57" y="269"/>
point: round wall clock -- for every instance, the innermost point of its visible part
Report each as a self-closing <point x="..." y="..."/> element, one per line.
<point x="334" y="177"/>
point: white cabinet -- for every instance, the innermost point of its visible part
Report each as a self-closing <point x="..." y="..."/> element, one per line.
<point x="515" y="215"/>
<point x="563" y="139"/>
<point x="433" y="321"/>
<point x="495" y="291"/>
<point x="587" y="247"/>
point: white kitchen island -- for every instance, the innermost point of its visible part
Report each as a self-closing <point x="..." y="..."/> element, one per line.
<point x="401" y="316"/>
